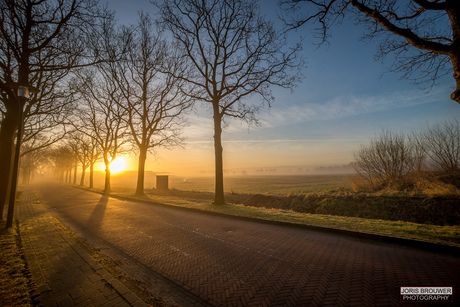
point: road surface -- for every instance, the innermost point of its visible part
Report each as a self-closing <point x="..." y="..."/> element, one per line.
<point x="229" y="262"/>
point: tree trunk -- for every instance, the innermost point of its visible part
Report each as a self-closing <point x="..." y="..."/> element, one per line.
<point x="141" y="170"/>
<point x="454" y="16"/>
<point x="7" y="131"/>
<point x="456" y="94"/>
<point x="83" y="172"/>
<point x="107" y="178"/>
<point x="75" y="173"/>
<point x="24" y="174"/>
<point x="91" y="176"/>
<point x="219" y="166"/>
<point x="30" y="175"/>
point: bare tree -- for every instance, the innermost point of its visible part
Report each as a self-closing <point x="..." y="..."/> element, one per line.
<point x="94" y="155"/>
<point x="100" y="115"/>
<point x="233" y="54"/>
<point x="83" y="158"/>
<point x="423" y="35"/>
<point x="75" y="159"/>
<point x="29" y="162"/>
<point x="71" y="145"/>
<point x="40" y="41"/>
<point x="441" y="143"/>
<point x="36" y="162"/>
<point x="81" y="147"/>
<point x="61" y="160"/>
<point x="387" y="159"/>
<point x="153" y="98"/>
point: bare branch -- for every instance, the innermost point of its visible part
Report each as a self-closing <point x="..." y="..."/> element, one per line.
<point x="408" y="30"/>
<point x="232" y="54"/>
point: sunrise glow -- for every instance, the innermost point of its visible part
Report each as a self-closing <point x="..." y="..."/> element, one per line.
<point x="117" y="166"/>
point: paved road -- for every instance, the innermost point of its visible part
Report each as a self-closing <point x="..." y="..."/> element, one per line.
<point x="63" y="273"/>
<point x="229" y="262"/>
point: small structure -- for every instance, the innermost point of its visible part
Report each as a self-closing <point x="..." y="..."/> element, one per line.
<point x="162" y="182"/>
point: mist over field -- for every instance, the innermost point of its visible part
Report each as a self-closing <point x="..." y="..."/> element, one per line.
<point x="271" y="180"/>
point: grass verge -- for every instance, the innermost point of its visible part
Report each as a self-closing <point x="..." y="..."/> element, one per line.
<point x="14" y="289"/>
<point x="445" y="235"/>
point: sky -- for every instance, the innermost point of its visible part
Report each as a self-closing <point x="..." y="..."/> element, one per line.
<point x="344" y="100"/>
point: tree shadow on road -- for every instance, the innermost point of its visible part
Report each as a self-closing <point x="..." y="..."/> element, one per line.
<point x="95" y="220"/>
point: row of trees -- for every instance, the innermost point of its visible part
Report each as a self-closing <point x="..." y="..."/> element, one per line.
<point x="115" y="85"/>
<point x="392" y="158"/>
<point x="75" y="153"/>
<point x="108" y="82"/>
<point x="222" y="54"/>
<point x="133" y="96"/>
<point x="40" y="43"/>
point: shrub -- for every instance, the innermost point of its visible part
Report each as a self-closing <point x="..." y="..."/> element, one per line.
<point x="441" y="143"/>
<point x="387" y="160"/>
<point x="360" y="184"/>
<point x="433" y="185"/>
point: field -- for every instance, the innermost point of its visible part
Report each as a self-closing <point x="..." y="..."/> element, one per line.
<point x="271" y="185"/>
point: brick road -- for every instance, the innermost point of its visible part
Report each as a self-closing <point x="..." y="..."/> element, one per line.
<point x="230" y="262"/>
<point x="62" y="271"/>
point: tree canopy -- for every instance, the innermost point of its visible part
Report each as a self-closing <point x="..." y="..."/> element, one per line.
<point x="423" y="35"/>
<point x="233" y="54"/>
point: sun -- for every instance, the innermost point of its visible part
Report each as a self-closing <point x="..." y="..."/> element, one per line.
<point x="118" y="165"/>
